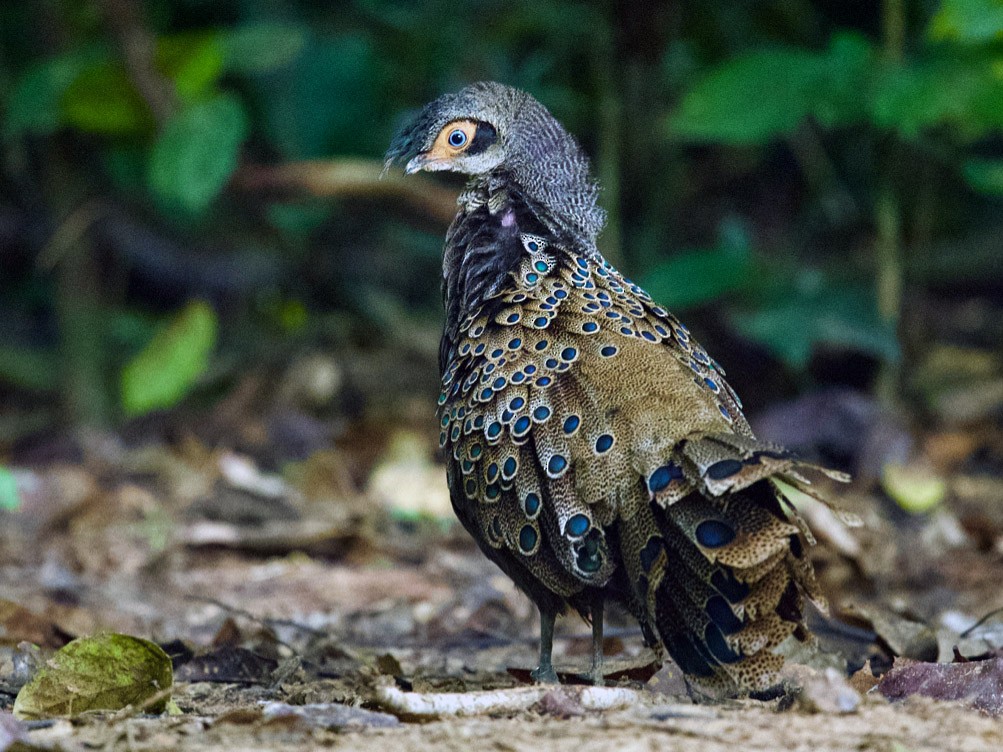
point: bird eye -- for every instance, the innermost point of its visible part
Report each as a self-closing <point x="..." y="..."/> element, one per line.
<point x="453" y="140"/>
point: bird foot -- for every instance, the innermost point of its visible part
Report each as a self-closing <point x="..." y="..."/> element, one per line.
<point x="597" y="678"/>
<point x="545" y="674"/>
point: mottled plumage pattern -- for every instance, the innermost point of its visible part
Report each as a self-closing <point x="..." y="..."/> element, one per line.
<point x="595" y="451"/>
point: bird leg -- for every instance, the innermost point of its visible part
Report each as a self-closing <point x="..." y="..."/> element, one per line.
<point x="596" y="670"/>
<point x="544" y="673"/>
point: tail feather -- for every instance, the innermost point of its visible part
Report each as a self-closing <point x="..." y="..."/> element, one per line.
<point x="723" y="463"/>
<point x="721" y="584"/>
<point x="734" y="531"/>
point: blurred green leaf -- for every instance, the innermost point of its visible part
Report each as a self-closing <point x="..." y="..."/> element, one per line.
<point x="167" y="368"/>
<point x="196" y="153"/>
<point x="766" y="93"/>
<point x="748" y="99"/>
<point x="261" y="47"/>
<point x="29" y="368"/>
<point x="102" y="99"/>
<point x="967" y="21"/>
<point x="845" y="74"/>
<point x="34" y="105"/>
<point x="964" y="94"/>
<point x="835" y="315"/>
<point x="985" y="175"/>
<point x="193" y="62"/>
<point x="696" y="277"/>
<point x="9" y="496"/>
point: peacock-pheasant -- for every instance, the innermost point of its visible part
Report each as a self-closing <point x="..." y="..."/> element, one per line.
<point x="595" y="451"/>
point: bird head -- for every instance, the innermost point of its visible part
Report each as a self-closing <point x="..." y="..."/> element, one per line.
<point x="461" y="132"/>
<point x="489" y="127"/>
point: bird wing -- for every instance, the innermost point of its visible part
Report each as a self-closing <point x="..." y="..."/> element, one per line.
<point x="590" y="432"/>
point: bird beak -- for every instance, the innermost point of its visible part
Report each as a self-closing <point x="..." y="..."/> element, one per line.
<point x="415" y="164"/>
<point x="425" y="161"/>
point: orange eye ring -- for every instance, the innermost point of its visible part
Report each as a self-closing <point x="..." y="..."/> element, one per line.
<point x="455" y="138"/>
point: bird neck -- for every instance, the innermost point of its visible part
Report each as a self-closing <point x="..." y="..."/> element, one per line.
<point x="482" y="247"/>
<point x="543" y="188"/>
<point x="548" y="170"/>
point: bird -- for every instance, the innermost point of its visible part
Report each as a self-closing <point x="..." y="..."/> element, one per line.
<point x="594" y="450"/>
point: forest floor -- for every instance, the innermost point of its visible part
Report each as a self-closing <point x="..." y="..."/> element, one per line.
<point x="310" y="610"/>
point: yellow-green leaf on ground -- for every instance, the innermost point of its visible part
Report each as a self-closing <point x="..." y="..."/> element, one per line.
<point x="913" y="487"/>
<point x="169" y="365"/>
<point x="104" y="672"/>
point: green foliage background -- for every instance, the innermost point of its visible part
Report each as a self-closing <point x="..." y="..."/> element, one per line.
<point x="802" y="173"/>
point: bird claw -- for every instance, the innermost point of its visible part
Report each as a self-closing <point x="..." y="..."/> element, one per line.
<point x="545" y="675"/>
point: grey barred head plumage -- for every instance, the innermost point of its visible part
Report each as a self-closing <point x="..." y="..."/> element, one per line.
<point x="528" y="145"/>
<point x="594" y="449"/>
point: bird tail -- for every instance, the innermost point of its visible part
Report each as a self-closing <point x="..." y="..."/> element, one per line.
<point x="719" y="566"/>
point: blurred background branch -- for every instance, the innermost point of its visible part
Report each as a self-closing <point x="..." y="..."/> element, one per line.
<point x="347" y="179"/>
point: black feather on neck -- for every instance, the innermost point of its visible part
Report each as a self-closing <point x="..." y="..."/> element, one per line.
<point x="481" y="249"/>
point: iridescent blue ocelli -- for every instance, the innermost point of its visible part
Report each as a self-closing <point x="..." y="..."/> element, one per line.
<point x="557" y="465"/>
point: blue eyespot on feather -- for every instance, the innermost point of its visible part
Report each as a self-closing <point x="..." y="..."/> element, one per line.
<point x="663" y="476"/>
<point x="650" y="552"/>
<point x="557" y="465"/>
<point x="527" y="539"/>
<point x="714" y="534"/>
<point x="577" y="525"/>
